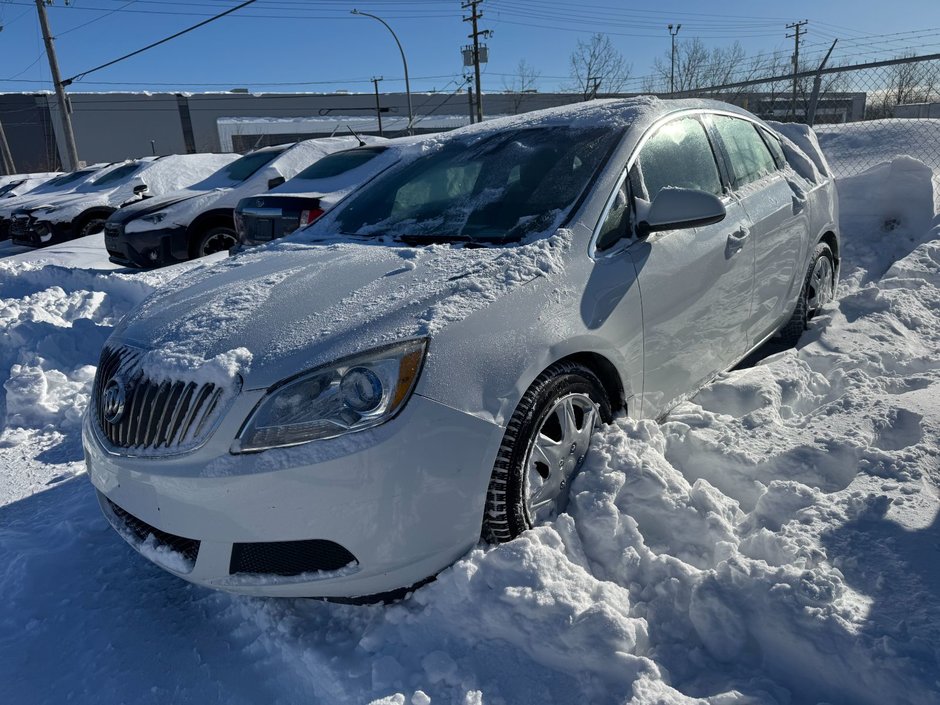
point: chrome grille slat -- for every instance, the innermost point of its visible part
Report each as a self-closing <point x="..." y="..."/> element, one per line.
<point x="177" y="419"/>
<point x="162" y="416"/>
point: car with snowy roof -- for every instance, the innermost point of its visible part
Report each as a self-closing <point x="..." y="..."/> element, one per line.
<point x="84" y="210"/>
<point x="347" y="411"/>
<point x="64" y="183"/>
<point x="301" y="200"/>
<point x="19" y="184"/>
<point x="199" y="220"/>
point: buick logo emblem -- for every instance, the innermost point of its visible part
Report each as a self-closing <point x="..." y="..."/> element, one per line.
<point x="113" y="400"/>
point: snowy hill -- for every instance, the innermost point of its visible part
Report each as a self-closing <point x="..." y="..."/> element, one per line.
<point x="774" y="541"/>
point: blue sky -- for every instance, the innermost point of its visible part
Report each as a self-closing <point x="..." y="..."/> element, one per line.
<point x="318" y="46"/>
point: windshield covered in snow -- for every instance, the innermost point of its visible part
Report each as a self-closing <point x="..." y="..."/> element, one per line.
<point x="64" y="180"/>
<point x="112" y="177"/>
<point x="339" y="163"/>
<point x="244" y="167"/>
<point x="497" y="189"/>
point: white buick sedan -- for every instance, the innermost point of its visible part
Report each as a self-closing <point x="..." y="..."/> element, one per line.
<point x="346" y="412"/>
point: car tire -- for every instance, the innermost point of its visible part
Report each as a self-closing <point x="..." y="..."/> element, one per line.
<point x="818" y="290"/>
<point x="92" y="226"/>
<point x="524" y="488"/>
<point x="218" y="239"/>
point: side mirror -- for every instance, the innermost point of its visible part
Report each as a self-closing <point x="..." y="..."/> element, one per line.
<point x="276" y="181"/>
<point x="675" y="208"/>
<point x="139" y="189"/>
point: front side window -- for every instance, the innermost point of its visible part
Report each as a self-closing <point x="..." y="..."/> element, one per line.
<point x="750" y="158"/>
<point x="496" y="189"/>
<point x="679" y="155"/>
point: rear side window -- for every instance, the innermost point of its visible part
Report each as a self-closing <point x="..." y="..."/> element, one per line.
<point x="679" y="155"/>
<point x="339" y="163"/>
<point x="749" y="156"/>
<point x="774" y="144"/>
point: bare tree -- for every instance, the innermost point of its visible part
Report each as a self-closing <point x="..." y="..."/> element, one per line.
<point x="524" y="82"/>
<point x="699" y="67"/>
<point x="597" y="66"/>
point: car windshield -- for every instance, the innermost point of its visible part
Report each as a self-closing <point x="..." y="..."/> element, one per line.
<point x="112" y="177"/>
<point x="496" y="189"/>
<point x="243" y="167"/>
<point x="339" y="163"/>
<point x="6" y="188"/>
<point x="66" y="179"/>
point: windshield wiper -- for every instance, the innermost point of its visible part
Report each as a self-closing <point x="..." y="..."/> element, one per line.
<point x="420" y="240"/>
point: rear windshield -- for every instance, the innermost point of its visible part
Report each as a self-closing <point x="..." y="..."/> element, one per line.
<point x="112" y="177"/>
<point x="244" y="167"/>
<point x="496" y="189"/>
<point x="339" y="163"/>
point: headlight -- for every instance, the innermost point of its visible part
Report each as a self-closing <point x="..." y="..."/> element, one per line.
<point x="154" y="217"/>
<point x="352" y="394"/>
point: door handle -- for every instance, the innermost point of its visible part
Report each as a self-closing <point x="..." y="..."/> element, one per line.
<point x="736" y="240"/>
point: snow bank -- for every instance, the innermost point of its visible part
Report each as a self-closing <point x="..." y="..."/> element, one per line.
<point x="856" y="146"/>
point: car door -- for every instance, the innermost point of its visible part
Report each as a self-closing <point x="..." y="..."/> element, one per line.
<point x="778" y="223"/>
<point x="695" y="283"/>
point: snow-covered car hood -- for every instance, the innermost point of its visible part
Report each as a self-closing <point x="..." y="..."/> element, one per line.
<point x="292" y="307"/>
<point x="160" y="203"/>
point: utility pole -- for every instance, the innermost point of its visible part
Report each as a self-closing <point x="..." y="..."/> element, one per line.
<point x="476" y="48"/>
<point x="71" y="156"/>
<point x="672" y="64"/>
<point x="378" y="107"/>
<point x="797" y="28"/>
<point x="6" y="159"/>
<point x="470" y="99"/>
<point x="593" y="84"/>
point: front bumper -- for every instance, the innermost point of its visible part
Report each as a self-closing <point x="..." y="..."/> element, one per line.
<point x="146" y="248"/>
<point x="405" y="499"/>
<point x="40" y="233"/>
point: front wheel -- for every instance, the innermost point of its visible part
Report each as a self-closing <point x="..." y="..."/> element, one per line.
<point x="92" y="226"/>
<point x="218" y="239"/>
<point x="818" y="290"/>
<point x="546" y="442"/>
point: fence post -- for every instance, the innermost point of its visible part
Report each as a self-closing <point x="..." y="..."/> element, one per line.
<point x="817" y="84"/>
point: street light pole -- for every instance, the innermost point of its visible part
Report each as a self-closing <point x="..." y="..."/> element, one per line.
<point x="672" y="72"/>
<point x="404" y="61"/>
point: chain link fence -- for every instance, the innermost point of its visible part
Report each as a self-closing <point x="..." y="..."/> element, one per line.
<point x="872" y="111"/>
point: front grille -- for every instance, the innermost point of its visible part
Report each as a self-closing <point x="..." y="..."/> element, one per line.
<point x="19" y="227"/>
<point x="141" y="530"/>
<point x="156" y="417"/>
<point x="112" y="230"/>
<point x="289" y="557"/>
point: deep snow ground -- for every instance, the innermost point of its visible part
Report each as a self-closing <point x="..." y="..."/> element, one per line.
<point x="774" y="541"/>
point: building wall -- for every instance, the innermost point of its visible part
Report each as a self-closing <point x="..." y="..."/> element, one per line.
<point x="26" y="123"/>
<point x="114" y="126"/>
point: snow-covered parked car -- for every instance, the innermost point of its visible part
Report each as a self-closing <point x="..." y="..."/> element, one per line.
<point x="304" y="198"/>
<point x="199" y="220"/>
<point x="84" y="210"/>
<point x="19" y="184"/>
<point x="64" y="183"/>
<point x="345" y="413"/>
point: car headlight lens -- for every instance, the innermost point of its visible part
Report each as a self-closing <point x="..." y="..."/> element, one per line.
<point x="154" y="217"/>
<point x="349" y="395"/>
